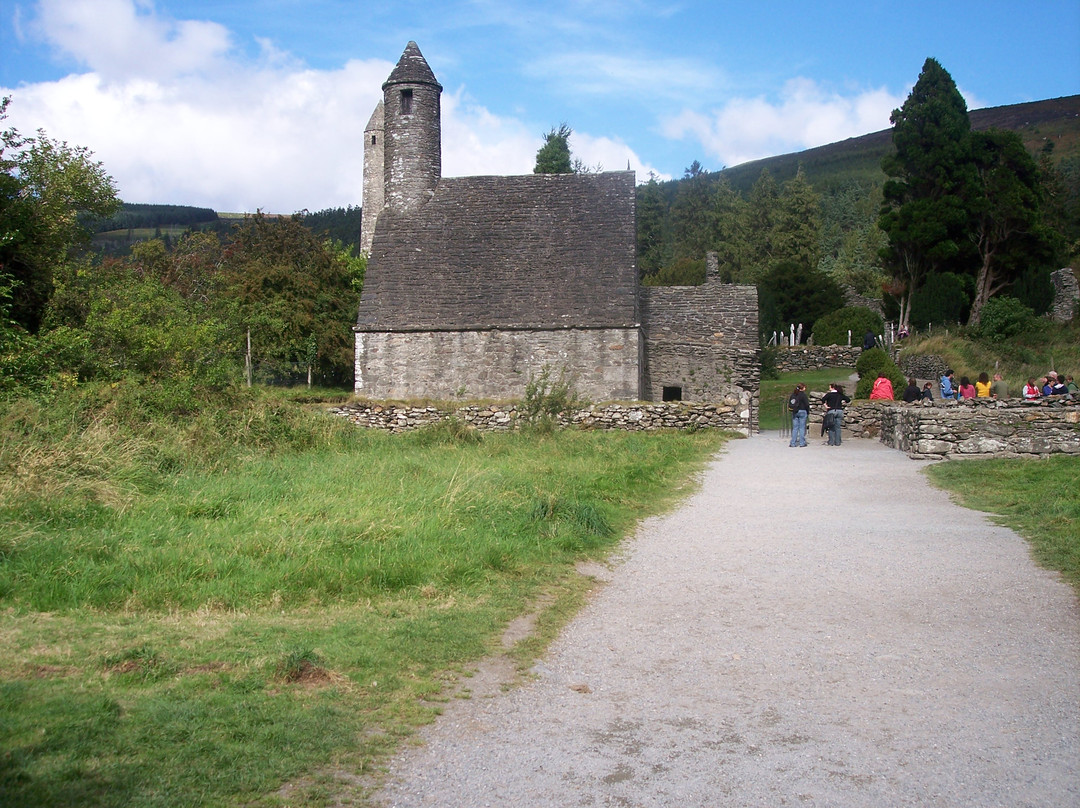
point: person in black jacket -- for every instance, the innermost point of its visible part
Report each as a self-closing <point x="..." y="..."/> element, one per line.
<point x="834" y="402"/>
<point x="912" y="392"/>
<point x="799" y="406"/>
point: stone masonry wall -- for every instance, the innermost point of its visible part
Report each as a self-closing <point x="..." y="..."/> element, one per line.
<point x="732" y="414"/>
<point x="815" y="357"/>
<point x="448" y="365"/>
<point x="975" y="429"/>
<point x="701" y="340"/>
<point x="1066" y="295"/>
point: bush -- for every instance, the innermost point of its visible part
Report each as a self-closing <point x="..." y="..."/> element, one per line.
<point x="546" y="399"/>
<point x="875" y="362"/>
<point x="1003" y="318"/>
<point x="833" y="328"/>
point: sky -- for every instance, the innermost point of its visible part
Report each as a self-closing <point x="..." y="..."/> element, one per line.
<point x="245" y="105"/>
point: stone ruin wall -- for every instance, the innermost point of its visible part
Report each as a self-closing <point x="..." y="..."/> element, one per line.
<point x="964" y="429"/>
<point x="702" y="340"/>
<point x="1066" y="295"/>
<point x="730" y="414"/>
<point x="993" y="429"/>
<point x="816" y="357"/>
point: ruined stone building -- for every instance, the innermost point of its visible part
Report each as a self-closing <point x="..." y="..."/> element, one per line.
<point x="475" y="284"/>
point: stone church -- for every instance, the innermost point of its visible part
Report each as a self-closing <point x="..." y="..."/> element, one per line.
<point x="475" y="284"/>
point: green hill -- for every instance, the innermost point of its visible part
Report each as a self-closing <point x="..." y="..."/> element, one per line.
<point x="1055" y="121"/>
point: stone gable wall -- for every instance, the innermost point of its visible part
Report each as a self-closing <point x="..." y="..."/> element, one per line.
<point x="702" y="340"/>
<point x="732" y="414"/>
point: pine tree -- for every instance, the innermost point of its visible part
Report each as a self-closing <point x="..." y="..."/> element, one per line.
<point x="926" y="211"/>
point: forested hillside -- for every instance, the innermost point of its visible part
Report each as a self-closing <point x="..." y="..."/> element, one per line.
<point x="807" y="224"/>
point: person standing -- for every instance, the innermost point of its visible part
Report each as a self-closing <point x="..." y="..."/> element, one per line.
<point x="834" y="402"/>
<point x="799" y="405"/>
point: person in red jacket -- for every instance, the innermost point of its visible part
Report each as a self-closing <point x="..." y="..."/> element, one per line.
<point x="882" y="388"/>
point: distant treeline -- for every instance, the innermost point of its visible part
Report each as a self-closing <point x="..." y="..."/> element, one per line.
<point x="338" y="224"/>
<point x="132" y="216"/>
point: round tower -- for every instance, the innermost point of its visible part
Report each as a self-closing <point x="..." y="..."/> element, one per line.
<point x="412" y="144"/>
<point x="374" y="179"/>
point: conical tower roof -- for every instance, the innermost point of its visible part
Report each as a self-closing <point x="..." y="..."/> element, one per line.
<point x="412" y="68"/>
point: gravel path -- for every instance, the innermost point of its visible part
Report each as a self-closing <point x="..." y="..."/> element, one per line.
<point x="818" y="628"/>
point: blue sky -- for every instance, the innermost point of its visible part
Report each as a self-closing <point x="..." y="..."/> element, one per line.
<point x="260" y="104"/>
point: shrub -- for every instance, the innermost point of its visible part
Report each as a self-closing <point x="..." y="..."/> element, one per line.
<point x="1003" y="318"/>
<point x="546" y="399"/>
<point x="833" y="328"/>
<point x="875" y="362"/>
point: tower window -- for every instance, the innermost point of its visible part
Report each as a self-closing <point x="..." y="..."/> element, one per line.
<point x="373" y="140"/>
<point x="406" y="102"/>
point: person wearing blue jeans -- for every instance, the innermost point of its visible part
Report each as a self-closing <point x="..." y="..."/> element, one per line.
<point x="799" y="405"/>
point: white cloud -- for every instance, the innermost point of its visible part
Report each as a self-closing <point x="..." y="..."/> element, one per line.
<point x="123" y="38"/>
<point x="805" y="116"/>
<point x="179" y="119"/>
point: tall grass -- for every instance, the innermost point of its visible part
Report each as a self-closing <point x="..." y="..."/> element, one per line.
<point x="1048" y="346"/>
<point x="249" y="602"/>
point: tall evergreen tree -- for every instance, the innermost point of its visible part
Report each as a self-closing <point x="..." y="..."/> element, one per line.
<point x="554" y="156"/>
<point x="796" y="231"/>
<point x="926" y="211"/>
<point x="1007" y="226"/>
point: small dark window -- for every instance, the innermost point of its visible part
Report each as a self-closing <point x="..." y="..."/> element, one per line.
<point x="672" y="394"/>
<point x="406" y="102"/>
<point x="373" y="140"/>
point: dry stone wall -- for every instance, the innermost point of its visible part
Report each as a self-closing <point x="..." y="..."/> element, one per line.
<point x="732" y="414"/>
<point x="816" y="357"/>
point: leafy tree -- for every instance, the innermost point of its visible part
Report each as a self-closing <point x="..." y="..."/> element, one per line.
<point x="943" y="298"/>
<point x="553" y="157"/>
<point x="795" y="293"/>
<point x="834" y="327"/>
<point x="925" y="213"/>
<point x="296" y="293"/>
<point x="44" y="187"/>
<point x="1007" y="229"/>
<point x="1003" y="318"/>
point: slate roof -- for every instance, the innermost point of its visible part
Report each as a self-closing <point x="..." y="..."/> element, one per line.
<point x="535" y="251"/>
<point x="412" y="68"/>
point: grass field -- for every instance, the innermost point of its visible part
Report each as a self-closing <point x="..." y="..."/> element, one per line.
<point x="1039" y="499"/>
<point x="199" y="620"/>
<point x="775" y="392"/>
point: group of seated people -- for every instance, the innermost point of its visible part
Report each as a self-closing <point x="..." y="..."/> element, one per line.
<point x="1054" y="384"/>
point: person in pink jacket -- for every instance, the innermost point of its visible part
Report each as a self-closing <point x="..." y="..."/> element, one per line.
<point x="882" y="389"/>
